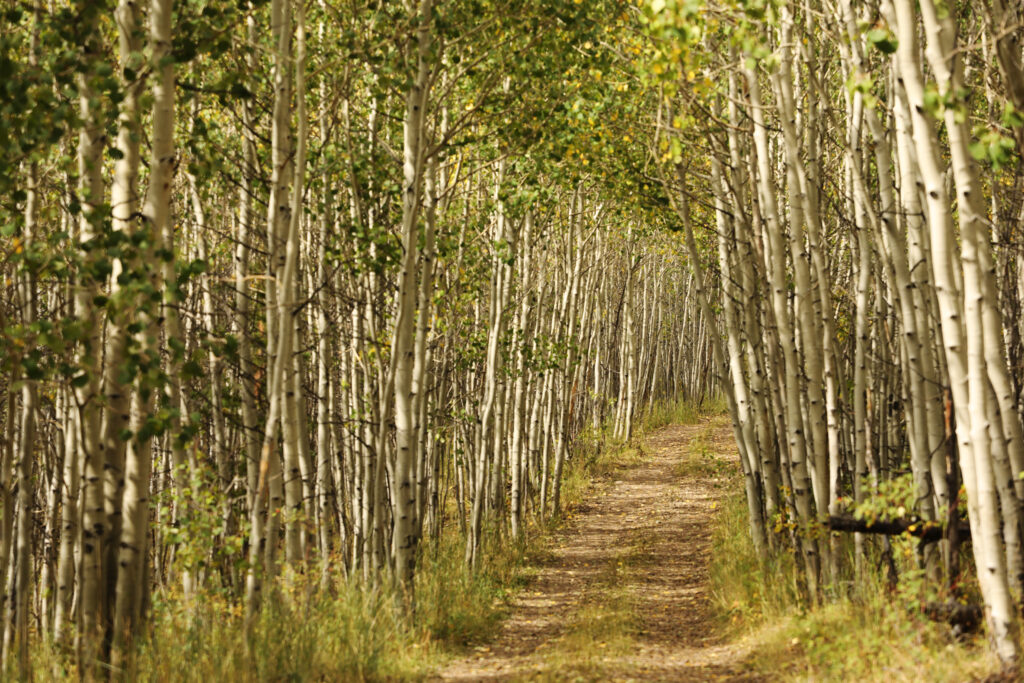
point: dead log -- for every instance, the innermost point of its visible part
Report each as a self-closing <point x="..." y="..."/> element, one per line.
<point x="928" y="532"/>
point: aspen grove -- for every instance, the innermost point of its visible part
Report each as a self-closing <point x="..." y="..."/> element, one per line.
<point x="296" y="290"/>
<point x="294" y="286"/>
<point x="858" y="171"/>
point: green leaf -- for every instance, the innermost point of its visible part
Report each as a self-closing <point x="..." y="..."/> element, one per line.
<point x="191" y="370"/>
<point x="1011" y="117"/>
<point x="979" y="151"/>
<point x="883" y="40"/>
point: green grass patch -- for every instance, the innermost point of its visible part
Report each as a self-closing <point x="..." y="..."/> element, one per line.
<point x="352" y="632"/>
<point x="701" y="460"/>
<point x="348" y="632"/>
<point x="870" y="633"/>
<point x="665" y="413"/>
<point x="457" y="607"/>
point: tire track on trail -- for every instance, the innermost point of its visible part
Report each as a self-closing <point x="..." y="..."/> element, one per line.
<point x="637" y="549"/>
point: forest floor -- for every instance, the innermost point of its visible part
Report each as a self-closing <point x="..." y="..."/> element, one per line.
<point x="622" y="592"/>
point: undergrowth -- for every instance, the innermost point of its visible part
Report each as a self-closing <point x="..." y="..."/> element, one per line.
<point x="683" y="412"/>
<point x="352" y="632"/>
<point x="702" y="461"/>
<point x="866" y="630"/>
<point x="348" y="632"/>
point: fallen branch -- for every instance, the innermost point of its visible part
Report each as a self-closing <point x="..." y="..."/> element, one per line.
<point x="928" y="532"/>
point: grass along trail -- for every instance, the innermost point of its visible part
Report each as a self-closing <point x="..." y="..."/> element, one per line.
<point x="622" y="591"/>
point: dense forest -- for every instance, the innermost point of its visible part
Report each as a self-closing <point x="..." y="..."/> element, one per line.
<point x="296" y="293"/>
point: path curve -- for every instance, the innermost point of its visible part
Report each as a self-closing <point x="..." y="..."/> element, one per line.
<point x="641" y="539"/>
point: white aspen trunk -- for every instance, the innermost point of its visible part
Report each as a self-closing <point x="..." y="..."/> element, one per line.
<point x="929" y="492"/>
<point x="965" y="362"/>
<point x="240" y="322"/>
<point x="796" y="446"/>
<point x="123" y="207"/>
<point x="924" y="300"/>
<point x="325" y="465"/>
<point x="629" y="352"/>
<point x="131" y="586"/>
<point x="20" y="597"/>
<point x="91" y="142"/>
<point x="403" y="488"/>
<point x="218" y="428"/>
<point x="983" y="331"/>
<point x="45" y="588"/>
<point x="70" y="516"/>
<point x="860" y="375"/>
<point x="736" y="388"/>
<point x="754" y="507"/>
<point x="496" y="477"/>
<point x="745" y="236"/>
<point x="533" y="432"/>
<point x="295" y="445"/>
<point x="262" y="544"/>
<point x="569" y="314"/>
<point x="421" y="359"/>
<point x="485" y="453"/>
<point x="271" y="477"/>
<point x="175" y="337"/>
<point x="810" y="331"/>
<point x="544" y="439"/>
<point x="823" y="303"/>
<point x="297" y="468"/>
<point x="519" y="390"/>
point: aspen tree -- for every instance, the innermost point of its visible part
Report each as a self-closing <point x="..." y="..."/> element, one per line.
<point x="519" y="454"/>
<point x="800" y="216"/>
<point x="324" y="480"/>
<point x="131" y="576"/>
<point x="240" y="320"/>
<point x="941" y="38"/>
<point x="124" y="202"/>
<point x="16" y="629"/>
<point x="801" y="483"/>
<point x="69" y="521"/>
<point x="282" y="214"/>
<point x="569" y="312"/>
<point x="487" y="457"/>
<point x="404" y="537"/>
<point x="86" y="385"/>
<point x="757" y="526"/>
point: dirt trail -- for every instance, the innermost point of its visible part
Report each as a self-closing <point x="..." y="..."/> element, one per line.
<point x="639" y="545"/>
